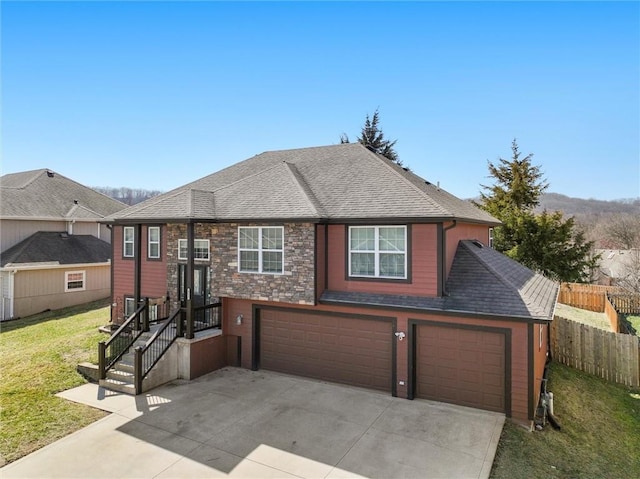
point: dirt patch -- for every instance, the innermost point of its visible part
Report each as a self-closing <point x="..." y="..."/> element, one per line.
<point x="597" y="320"/>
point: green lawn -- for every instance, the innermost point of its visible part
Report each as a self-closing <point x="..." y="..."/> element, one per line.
<point x="39" y="357"/>
<point x="600" y="436"/>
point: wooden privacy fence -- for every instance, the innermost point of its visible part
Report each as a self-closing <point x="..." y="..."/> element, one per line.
<point x="591" y="297"/>
<point x="625" y="303"/>
<point x="611" y="356"/>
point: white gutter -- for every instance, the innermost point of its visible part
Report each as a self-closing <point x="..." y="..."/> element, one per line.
<point x="10" y="298"/>
<point x="51" y="218"/>
<point x="15" y="267"/>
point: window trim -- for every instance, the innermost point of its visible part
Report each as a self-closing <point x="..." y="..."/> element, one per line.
<point x="261" y="250"/>
<point x="491" y="238"/>
<point x="407" y="249"/>
<point x="125" y="242"/>
<point x="185" y="258"/>
<point x="67" y="281"/>
<point x="158" y="242"/>
<point x="128" y="298"/>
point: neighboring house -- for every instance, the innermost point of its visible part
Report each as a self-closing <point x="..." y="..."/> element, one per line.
<point x="334" y="263"/>
<point x="56" y="270"/>
<point x="54" y="252"/>
<point x="618" y="266"/>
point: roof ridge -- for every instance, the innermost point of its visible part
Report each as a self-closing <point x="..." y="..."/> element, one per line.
<point x="245" y="178"/>
<point x="149" y="202"/>
<point x="39" y="173"/>
<point x="77" y="206"/>
<point x="304" y="188"/>
<point x="487" y="266"/>
<point x="394" y="168"/>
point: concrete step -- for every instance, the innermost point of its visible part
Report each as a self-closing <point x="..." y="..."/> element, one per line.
<point x="121" y="375"/>
<point x="119" y="386"/>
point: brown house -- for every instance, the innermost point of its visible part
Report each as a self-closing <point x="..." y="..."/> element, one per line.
<point x="331" y="263"/>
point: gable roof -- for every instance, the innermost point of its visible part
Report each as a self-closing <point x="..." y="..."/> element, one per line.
<point x="44" y="194"/>
<point x="53" y="248"/>
<point x="481" y="282"/>
<point x="336" y="182"/>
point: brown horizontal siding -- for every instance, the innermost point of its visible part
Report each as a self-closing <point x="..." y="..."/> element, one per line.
<point x="423" y="267"/>
<point x="153" y="274"/>
<point x="463" y="231"/>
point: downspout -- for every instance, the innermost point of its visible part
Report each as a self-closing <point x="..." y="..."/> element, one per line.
<point x="12" y="292"/>
<point x="189" y="279"/>
<point x="111" y="235"/>
<point x="137" y="268"/>
<point x="443" y="272"/>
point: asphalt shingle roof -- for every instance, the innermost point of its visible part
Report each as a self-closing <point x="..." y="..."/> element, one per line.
<point x="336" y="182"/>
<point x="45" y="194"/>
<point x="57" y="248"/>
<point x="481" y="281"/>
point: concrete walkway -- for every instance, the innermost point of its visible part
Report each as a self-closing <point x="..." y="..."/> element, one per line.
<point x="240" y="423"/>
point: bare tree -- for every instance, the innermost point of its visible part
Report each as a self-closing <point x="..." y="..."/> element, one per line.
<point x="624" y="230"/>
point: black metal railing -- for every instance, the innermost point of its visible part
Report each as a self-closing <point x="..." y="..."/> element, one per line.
<point x="146" y="357"/>
<point x="207" y="317"/>
<point x="110" y="351"/>
<point x="159" y="309"/>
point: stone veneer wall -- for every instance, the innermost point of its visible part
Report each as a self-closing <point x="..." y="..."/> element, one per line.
<point x="295" y="285"/>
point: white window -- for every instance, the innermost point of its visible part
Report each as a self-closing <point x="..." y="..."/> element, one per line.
<point x="153" y="312"/>
<point x="490" y="237"/>
<point x="153" y="249"/>
<point x="127" y="248"/>
<point x="261" y="249"/>
<point x="378" y="251"/>
<point x="74" y="281"/>
<point x="200" y="249"/>
<point x="129" y="307"/>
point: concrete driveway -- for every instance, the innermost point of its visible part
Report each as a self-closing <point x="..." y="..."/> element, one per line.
<point x="240" y="423"/>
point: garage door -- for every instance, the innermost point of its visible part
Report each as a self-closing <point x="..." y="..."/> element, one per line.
<point x="332" y="348"/>
<point x="461" y="366"/>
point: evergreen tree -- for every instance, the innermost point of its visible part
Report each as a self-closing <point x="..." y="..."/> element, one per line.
<point x="543" y="242"/>
<point x="372" y="137"/>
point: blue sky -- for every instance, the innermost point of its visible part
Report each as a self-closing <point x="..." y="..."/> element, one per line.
<point x="156" y="94"/>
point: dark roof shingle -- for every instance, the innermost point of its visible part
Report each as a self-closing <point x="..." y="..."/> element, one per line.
<point x="482" y="281"/>
<point x="57" y="248"/>
<point x="336" y="182"/>
<point x="44" y="194"/>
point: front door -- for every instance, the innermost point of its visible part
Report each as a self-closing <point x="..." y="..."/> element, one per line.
<point x="201" y="295"/>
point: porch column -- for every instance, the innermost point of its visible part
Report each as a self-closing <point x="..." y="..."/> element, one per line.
<point x="137" y="271"/>
<point x="189" y="280"/>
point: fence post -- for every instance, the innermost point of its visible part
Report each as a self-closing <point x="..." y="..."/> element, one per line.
<point x="145" y="315"/>
<point x="180" y="323"/>
<point x="137" y="369"/>
<point x="102" y="360"/>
